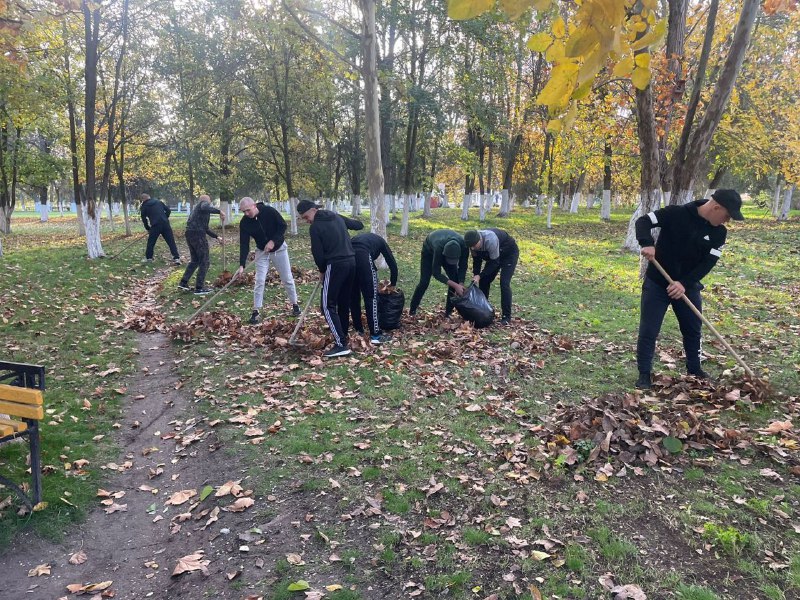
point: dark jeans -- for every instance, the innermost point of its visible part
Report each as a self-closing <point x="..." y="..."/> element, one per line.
<point x="506" y="268"/>
<point x="336" y="290"/>
<point x="655" y="302"/>
<point x="198" y="250"/>
<point x="165" y="230"/>
<point x="365" y="284"/>
<point x="425" y="274"/>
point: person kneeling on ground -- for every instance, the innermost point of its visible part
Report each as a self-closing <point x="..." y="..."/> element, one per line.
<point x="443" y="249"/>
<point x="196" y="232"/>
<point x="690" y="243"/>
<point x="335" y="258"/>
<point x="501" y="254"/>
<point x="368" y="247"/>
<point x="267" y="227"/>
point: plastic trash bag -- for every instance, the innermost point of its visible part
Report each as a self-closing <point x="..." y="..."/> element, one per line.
<point x="474" y="307"/>
<point x="390" y="309"/>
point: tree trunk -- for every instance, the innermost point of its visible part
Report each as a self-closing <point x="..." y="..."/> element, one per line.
<point x="407" y="199"/>
<point x="605" y="206"/>
<point x="776" y="199"/>
<point x="787" y="203"/>
<point x="549" y="211"/>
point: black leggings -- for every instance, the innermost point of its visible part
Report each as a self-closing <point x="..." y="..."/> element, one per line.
<point x="365" y="284"/>
<point x="653" y="308"/>
<point x="508" y="263"/>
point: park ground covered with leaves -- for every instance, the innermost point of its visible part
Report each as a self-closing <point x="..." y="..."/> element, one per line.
<point x="452" y="462"/>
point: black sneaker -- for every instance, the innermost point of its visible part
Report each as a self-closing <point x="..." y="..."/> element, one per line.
<point x="504" y="322"/>
<point x="296" y="312"/>
<point x="184" y="286"/>
<point x="378" y="339"/>
<point x="177" y="262"/>
<point x="202" y="291"/>
<point x="699" y="373"/>
<point x="254" y="318"/>
<point x="337" y="351"/>
<point x="412" y="313"/>
<point x="645" y="381"/>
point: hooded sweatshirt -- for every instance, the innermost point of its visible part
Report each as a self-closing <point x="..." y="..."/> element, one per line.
<point x="200" y="216"/>
<point x="330" y="241"/>
<point x="267" y="225"/>
<point x="154" y="212"/>
<point x="375" y="245"/>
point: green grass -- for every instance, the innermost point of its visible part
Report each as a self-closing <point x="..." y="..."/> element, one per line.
<point x="572" y="282"/>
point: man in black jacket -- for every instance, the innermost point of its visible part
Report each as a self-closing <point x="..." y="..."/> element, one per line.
<point x="501" y="254"/>
<point x="267" y="227"/>
<point x="443" y="250"/>
<point x="368" y="247"/>
<point x="334" y="256"/>
<point x="155" y="216"/>
<point x="196" y="232"/>
<point x="688" y="247"/>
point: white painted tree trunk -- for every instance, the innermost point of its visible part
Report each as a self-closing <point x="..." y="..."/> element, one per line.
<point x="484" y="200"/>
<point x="776" y="201"/>
<point x="665" y="196"/>
<point x="605" y="206"/>
<point x="356" y="205"/>
<point x="465" y="202"/>
<point x="505" y="203"/>
<point x="708" y="193"/>
<point x="45" y="213"/>
<point x="293" y="216"/>
<point x="5" y="219"/>
<point x="680" y="197"/>
<point x="787" y="203"/>
<point x="407" y="200"/>
<point x="94" y="245"/>
<point x="590" y="201"/>
<point x="426" y="209"/>
<point x="539" y="200"/>
<point x="224" y="208"/>
<point x="549" y="212"/>
<point x="445" y="203"/>
<point x="576" y="201"/>
<point x="79" y="208"/>
<point x="648" y="203"/>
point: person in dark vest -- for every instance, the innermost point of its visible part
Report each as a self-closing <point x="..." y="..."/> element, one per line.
<point x="443" y="250"/>
<point x="155" y="216"/>
<point x="368" y="247"/>
<point x="688" y="247"/>
<point x="335" y="258"/>
<point x="267" y="227"/>
<point x="500" y="253"/>
<point x="196" y="232"/>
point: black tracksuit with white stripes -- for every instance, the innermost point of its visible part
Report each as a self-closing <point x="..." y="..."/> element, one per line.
<point x="334" y="256"/>
<point x="368" y="246"/>
<point x="688" y="247"/>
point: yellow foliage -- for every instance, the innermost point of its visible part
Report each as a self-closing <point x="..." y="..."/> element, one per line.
<point x="467" y="9"/>
<point x="642" y="60"/>
<point x="624" y="67"/>
<point x="541" y="5"/>
<point x="514" y="8"/>
<point x="641" y="78"/>
<point x="554" y="126"/>
<point x="653" y="37"/>
<point x="555" y="53"/>
<point x="559" y="28"/>
<point x="582" y="40"/>
<point x="592" y="65"/>
<point x="582" y="90"/>
<point x="540" y="42"/>
<point x="557" y="92"/>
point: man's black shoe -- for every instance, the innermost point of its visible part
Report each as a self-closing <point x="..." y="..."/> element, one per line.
<point x="184" y="286"/>
<point x="254" y="318"/>
<point x="296" y="310"/>
<point x="337" y="351"/>
<point x="202" y="291"/>
<point x="505" y="322"/>
<point x="645" y="381"/>
<point x="699" y="373"/>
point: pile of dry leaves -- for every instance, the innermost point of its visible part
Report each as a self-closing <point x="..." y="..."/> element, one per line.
<point x="615" y="432"/>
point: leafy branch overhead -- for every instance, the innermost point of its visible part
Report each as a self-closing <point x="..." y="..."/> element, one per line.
<point x="622" y="32"/>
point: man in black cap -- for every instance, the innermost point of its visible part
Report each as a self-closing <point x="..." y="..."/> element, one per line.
<point x="443" y="249"/>
<point x="333" y="253"/>
<point x="368" y="246"/>
<point x="501" y="254"/>
<point x="155" y="217"/>
<point x="688" y="247"/>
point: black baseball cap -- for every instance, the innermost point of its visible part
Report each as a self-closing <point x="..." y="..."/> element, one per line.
<point x="732" y="202"/>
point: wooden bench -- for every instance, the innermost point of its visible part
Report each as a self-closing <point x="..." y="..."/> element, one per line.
<point x="21" y="399"/>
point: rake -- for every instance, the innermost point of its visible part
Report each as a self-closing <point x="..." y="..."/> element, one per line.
<point x="293" y="339"/>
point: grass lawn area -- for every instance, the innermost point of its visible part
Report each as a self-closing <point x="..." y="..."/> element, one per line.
<point x="437" y="431"/>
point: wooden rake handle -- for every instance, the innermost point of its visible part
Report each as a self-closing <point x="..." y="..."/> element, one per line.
<point x="215" y="294"/>
<point x="302" y="318"/>
<point x="706" y="322"/>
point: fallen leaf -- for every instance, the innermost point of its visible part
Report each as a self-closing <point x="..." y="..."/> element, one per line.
<point x="39" y="570"/>
<point x="181" y="497"/>
<point x="191" y="562"/>
<point x="78" y="558"/>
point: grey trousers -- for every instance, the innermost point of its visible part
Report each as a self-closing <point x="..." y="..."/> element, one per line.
<point x="279" y="258"/>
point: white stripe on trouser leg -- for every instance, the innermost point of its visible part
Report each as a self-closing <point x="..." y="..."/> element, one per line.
<point x="375" y="299"/>
<point x="716" y="252"/>
<point x="325" y="310"/>
<point x="653" y="218"/>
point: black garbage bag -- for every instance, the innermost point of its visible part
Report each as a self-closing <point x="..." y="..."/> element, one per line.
<point x="474" y="307"/>
<point x="390" y="309"/>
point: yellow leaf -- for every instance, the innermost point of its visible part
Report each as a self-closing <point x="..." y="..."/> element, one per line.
<point x="592" y="65"/>
<point x="559" y="88"/>
<point x="569" y="118"/>
<point x="467" y="9"/>
<point x="581" y="41"/>
<point x="541" y="5"/>
<point x="653" y="37"/>
<point x="559" y="28"/>
<point x="555" y="53"/>
<point x="642" y="60"/>
<point x="333" y="587"/>
<point x="641" y="78"/>
<point x="514" y="8"/>
<point x="624" y="67"/>
<point x="554" y="126"/>
<point x="582" y="90"/>
<point x="539" y="555"/>
<point x="540" y="42"/>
